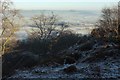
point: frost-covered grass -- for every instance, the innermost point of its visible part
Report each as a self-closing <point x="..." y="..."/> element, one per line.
<point x="108" y="69"/>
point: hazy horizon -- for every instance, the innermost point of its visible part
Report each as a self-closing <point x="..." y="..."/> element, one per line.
<point x="62" y="5"/>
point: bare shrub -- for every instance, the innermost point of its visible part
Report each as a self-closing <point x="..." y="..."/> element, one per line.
<point x="107" y="26"/>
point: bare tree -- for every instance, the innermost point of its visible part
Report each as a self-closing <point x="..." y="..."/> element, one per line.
<point x="10" y="22"/>
<point x="46" y="24"/>
<point x="119" y="18"/>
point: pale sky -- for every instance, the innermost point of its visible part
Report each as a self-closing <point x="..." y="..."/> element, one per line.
<point x="63" y="4"/>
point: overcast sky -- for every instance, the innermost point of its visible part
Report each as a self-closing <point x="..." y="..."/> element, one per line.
<point x="63" y="4"/>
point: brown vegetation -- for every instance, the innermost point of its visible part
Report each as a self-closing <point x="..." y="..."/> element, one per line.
<point x="107" y="26"/>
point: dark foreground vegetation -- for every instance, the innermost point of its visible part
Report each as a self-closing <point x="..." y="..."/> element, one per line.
<point x="67" y="55"/>
<point x="68" y="49"/>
